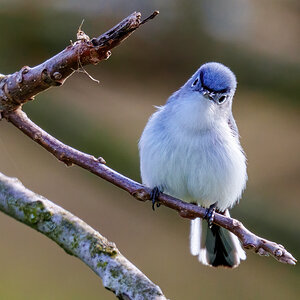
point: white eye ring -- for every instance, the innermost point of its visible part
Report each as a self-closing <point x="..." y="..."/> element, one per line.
<point x="222" y="99"/>
<point x="195" y="82"/>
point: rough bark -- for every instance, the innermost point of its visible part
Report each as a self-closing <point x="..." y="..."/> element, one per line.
<point x="21" y="87"/>
<point x="77" y="238"/>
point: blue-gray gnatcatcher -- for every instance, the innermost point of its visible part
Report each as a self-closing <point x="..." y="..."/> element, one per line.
<point x="190" y="149"/>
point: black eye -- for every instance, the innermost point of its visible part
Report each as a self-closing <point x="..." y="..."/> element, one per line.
<point x="195" y="82"/>
<point x="221" y="99"/>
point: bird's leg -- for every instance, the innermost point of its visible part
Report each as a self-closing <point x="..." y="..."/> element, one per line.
<point x="210" y="214"/>
<point x="154" y="194"/>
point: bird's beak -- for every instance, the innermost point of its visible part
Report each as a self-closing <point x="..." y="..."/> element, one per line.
<point x="208" y="95"/>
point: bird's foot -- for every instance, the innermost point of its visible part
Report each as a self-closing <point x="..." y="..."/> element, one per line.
<point x="154" y="194"/>
<point x="210" y="214"/>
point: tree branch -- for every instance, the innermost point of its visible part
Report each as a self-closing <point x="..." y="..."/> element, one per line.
<point x="77" y="238"/>
<point x="70" y="156"/>
<point x="20" y="87"/>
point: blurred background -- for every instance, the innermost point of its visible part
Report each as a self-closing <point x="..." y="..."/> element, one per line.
<point x="259" y="40"/>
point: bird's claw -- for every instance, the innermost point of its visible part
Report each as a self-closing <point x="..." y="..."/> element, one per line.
<point x="210" y="214"/>
<point x="154" y="194"/>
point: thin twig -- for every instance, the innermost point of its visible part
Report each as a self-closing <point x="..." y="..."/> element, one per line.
<point x="153" y="15"/>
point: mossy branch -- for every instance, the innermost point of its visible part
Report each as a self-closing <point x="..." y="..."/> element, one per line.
<point x="77" y="238"/>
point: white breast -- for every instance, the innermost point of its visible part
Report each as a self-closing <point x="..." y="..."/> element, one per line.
<point x="192" y="162"/>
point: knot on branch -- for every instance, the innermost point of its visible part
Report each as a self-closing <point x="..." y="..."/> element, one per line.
<point x="51" y="80"/>
<point x="141" y="195"/>
<point x="8" y="100"/>
<point x="278" y="252"/>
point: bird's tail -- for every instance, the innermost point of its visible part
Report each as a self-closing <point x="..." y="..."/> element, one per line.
<point x="215" y="246"/>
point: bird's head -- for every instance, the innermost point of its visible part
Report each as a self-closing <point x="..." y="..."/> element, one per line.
<point x="213" y="81"/>
<point x="206" y="98"/>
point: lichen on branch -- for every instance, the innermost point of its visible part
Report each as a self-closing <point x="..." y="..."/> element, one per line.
<point x="78" y="239"/>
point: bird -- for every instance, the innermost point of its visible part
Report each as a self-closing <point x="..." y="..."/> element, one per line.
<point x="190" y="149"/>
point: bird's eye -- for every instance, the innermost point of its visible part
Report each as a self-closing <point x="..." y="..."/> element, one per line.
<point x="195" y="82"/>
<point x="221" y="99"/>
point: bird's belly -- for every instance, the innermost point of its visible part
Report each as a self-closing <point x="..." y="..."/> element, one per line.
<point x="203" y="170"/>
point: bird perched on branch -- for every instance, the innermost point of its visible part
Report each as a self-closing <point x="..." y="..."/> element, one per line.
<point x="190" y="149"/>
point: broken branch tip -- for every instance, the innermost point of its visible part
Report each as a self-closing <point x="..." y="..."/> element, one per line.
<point x="153" y="15"/>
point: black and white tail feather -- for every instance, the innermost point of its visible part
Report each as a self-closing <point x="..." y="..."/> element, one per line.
<point x="215" y="246"/>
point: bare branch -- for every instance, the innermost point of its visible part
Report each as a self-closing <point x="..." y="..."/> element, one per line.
<point x="71" y="156"/>
<point x="78" y="239"/>
<point x="22" y="86"/>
